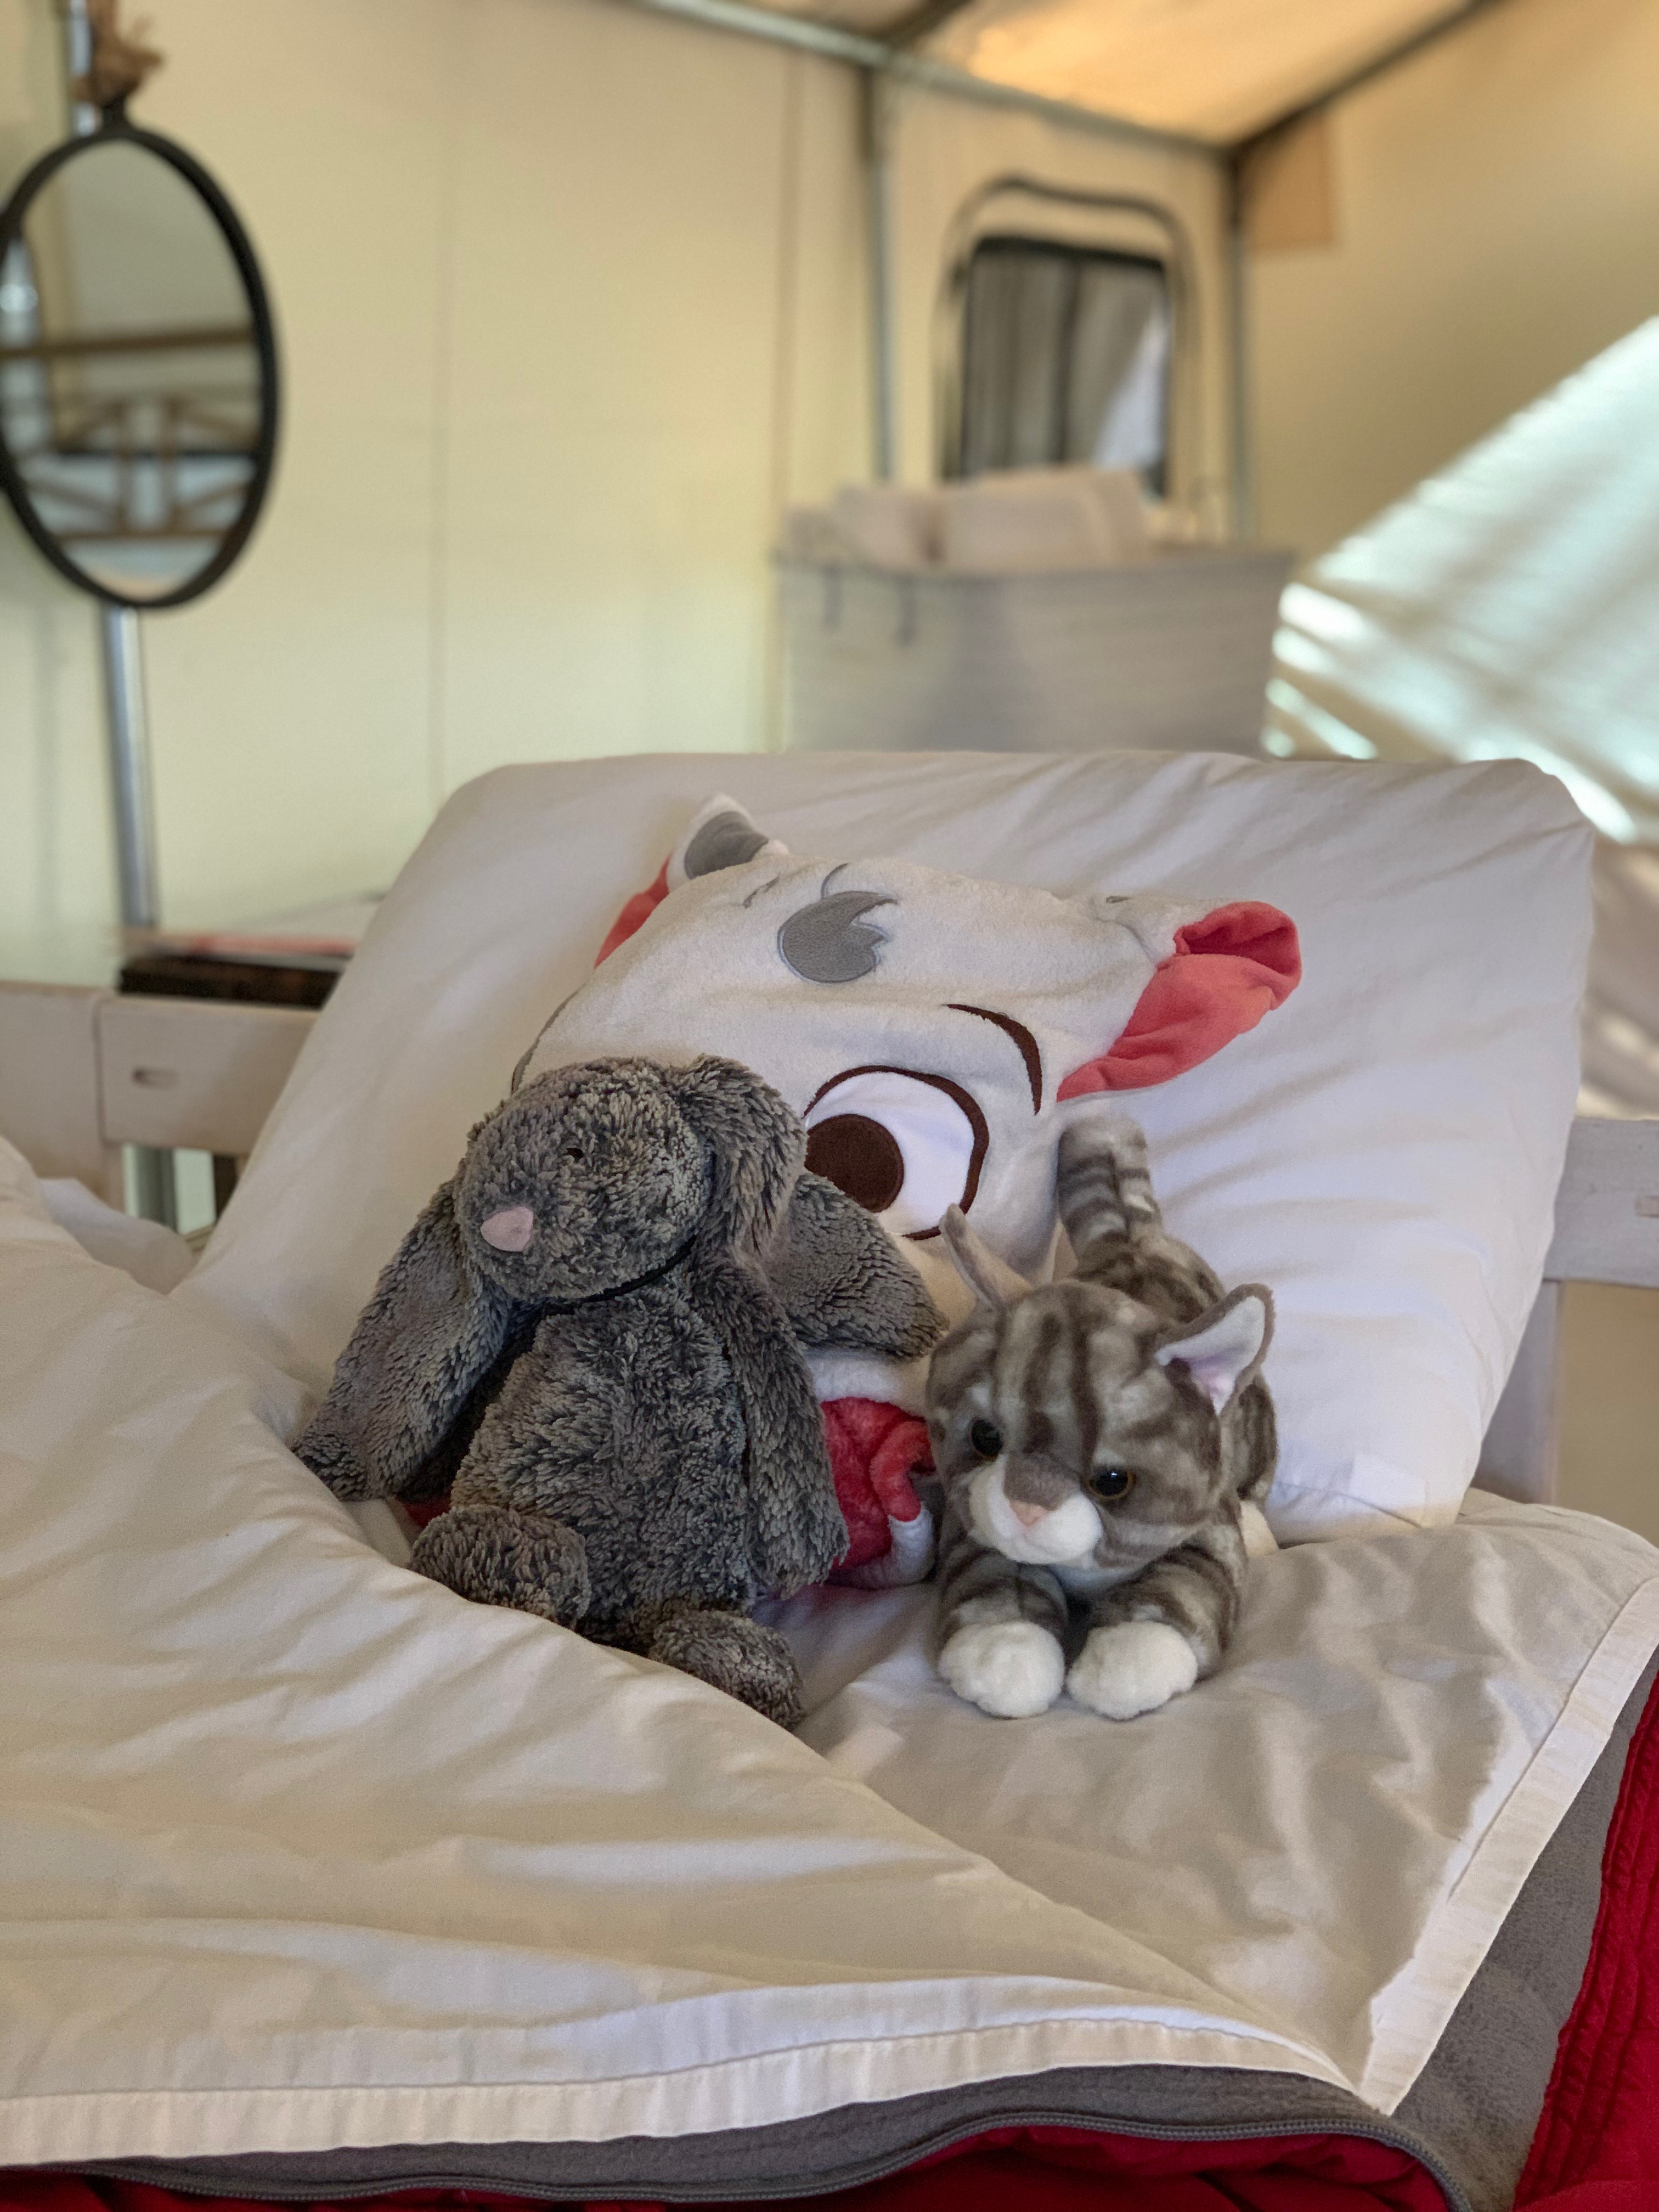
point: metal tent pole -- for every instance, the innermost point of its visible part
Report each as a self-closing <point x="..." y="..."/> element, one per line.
<point x="1241" y="427"/>
<point x="126" y="717"/>
<point x="128" y="764"/>
<point x="878" y="95"/>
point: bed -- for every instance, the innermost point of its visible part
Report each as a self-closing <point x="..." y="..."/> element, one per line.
<point x="325" y="1885"/>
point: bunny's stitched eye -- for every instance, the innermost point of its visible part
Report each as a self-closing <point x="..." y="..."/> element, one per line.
<point x="1109" y="1484"/>
<point x="985" y="1438"/>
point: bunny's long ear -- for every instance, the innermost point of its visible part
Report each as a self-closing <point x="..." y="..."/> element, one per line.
<point x="844" y="1283"/>
<point x="430" y="1333"/>
<point x="758" y="1144"/>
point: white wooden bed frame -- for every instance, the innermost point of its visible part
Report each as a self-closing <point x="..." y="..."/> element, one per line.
<point x="84" y="1073"/>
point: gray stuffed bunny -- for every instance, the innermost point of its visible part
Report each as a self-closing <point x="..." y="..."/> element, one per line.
<point x="591" y="1334"/>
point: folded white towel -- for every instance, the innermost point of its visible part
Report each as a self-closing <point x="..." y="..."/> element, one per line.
<point x="891" y="526"/>
<point x="1011" y="520"/>
<point x="1058" y="518"/>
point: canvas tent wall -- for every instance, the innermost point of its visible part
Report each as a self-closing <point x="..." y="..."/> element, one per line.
<point x="574" y="298"/>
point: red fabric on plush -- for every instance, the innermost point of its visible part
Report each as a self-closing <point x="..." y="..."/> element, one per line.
<point x="638" y="911"/>
<point x="1226" y="973"/>
<point x="1599" y="2129"/>
<point x="873" y="1447"/>
<point x="1010" y="2170"/>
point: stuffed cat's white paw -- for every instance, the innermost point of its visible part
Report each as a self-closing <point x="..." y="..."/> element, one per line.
<point x="1132" y="1669"/>
<point x="1012" y="1668"/>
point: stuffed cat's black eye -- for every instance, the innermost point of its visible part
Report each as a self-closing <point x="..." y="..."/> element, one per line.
<point x="1109" y="1483"/>
<point x="985" y="1438"/>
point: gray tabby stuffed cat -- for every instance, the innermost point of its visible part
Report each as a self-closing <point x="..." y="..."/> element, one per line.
<point x="1103" y="1442"/>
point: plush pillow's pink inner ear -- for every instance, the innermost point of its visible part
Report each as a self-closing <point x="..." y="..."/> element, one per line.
<point x="638" y="911"/>
<point x="1225" y="972"/>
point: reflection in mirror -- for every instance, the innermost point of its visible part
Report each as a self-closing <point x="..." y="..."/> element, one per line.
<point x="132" y="381"/>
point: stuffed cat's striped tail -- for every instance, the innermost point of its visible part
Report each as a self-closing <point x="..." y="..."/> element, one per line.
<point x="1105" y="1186"/>
<point x="1116" y="1224"/>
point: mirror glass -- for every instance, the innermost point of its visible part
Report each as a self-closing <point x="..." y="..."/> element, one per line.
<point x="135" y="371"/>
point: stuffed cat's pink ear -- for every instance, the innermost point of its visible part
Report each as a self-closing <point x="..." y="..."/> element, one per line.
<point x="1225" y="972"/>
<point x="1223" y="1347"/>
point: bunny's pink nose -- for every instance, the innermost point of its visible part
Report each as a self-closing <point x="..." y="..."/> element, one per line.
<point x="1026" y="1512"/>
<point x="509" y="1231"/>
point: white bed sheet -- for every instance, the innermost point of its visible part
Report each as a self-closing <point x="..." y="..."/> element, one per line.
<point x="299" y="1850"/>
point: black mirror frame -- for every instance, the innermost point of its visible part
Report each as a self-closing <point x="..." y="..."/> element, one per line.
<point x="115" y="126"/>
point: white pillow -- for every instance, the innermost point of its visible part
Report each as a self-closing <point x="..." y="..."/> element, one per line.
<point x="936" y="1032"/>
<point x="1383" y="1150"/>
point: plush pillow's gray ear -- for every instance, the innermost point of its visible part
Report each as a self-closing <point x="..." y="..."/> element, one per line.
<point x="1224" y="1349"/>
<point x="426" y="1340"/>
<point x="720" y="834"/>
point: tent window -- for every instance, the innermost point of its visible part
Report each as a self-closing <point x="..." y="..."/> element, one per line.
<point x="1065" y="357"/>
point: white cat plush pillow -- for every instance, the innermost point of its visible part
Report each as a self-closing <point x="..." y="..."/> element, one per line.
<point x="935" y="1033"/>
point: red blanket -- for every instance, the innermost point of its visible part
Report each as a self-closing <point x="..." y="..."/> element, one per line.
<point x="1033" y="2169"/>
<point x="1596" y="2149"/>
<point x="1597" y="2145"/>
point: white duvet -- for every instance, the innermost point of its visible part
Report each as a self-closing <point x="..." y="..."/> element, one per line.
<point x="299" y="1850"/>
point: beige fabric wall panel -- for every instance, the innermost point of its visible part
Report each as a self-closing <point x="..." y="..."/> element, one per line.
<point x="824" y="344"/>
<point x="611" y="385"/>
<point x="290" y="707"/>
<point x="572" y="300"/>
<point x="1496" y="200"/>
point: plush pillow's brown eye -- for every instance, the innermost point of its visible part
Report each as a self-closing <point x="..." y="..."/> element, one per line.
<point x="985" y="1438"/>
<point x="904" y="1145"/>
<point x="1109" y="1483"/>
<point x="858" y="1157"/>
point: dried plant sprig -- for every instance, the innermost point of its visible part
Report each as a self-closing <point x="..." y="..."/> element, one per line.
<point x="121" y="59"/>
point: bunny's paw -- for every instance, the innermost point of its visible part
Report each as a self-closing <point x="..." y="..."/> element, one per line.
<point x="527" y="1561"/>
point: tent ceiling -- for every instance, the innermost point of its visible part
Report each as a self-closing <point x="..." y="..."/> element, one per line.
<point x="1214" y="68"/>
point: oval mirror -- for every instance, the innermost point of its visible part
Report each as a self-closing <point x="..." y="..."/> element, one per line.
<point x="137" y="368"/>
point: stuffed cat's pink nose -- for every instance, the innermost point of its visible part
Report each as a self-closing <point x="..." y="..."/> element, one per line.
<point x="509" y="1231"/>
<point x="1028" y="1513"/>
